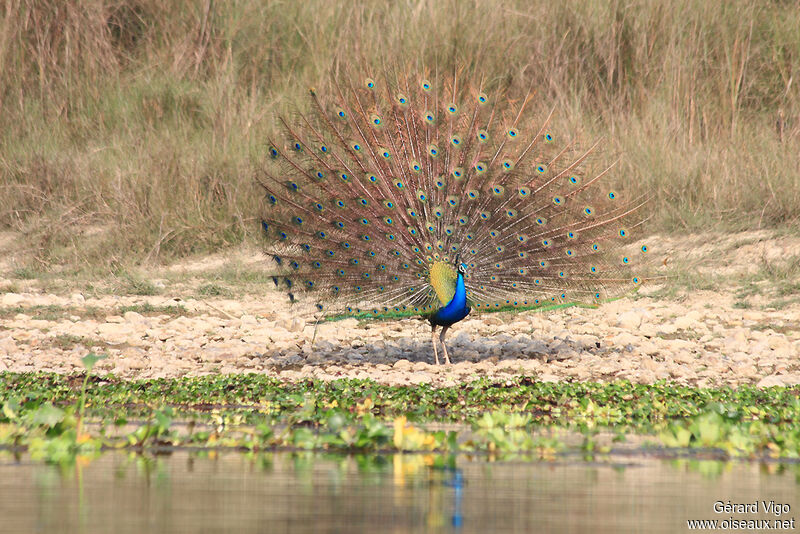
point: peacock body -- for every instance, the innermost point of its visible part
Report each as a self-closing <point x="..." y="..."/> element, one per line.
<point x="422" y="195"/>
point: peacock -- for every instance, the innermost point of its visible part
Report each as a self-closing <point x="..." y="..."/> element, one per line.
<point x="399" y="194"/>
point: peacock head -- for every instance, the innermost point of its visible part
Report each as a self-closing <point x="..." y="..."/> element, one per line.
<point x="462" y="267"/>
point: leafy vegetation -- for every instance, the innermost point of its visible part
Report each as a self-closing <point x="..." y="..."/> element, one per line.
<point x="58" y="417"/>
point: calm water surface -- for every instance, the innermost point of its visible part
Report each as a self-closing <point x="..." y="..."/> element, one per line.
<point x="285" y="492"/>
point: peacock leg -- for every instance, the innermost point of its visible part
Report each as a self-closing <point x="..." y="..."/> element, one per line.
<point x="433" y="340"/>
<point x="444" y="347"/>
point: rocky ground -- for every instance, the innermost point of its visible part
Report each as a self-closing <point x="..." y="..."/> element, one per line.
<point x="730" y="314"/>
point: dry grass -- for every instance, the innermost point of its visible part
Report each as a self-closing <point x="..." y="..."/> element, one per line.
<point x="130" y="128"/>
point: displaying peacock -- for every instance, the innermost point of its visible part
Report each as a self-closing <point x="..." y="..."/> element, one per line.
<point x="423" y="195"/>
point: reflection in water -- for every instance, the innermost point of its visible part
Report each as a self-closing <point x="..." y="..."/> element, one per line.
<point x="305" y="492"/>
<point x="457" y="483"/>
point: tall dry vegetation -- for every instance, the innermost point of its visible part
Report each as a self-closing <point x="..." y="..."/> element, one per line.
<point x="130" y="128"/>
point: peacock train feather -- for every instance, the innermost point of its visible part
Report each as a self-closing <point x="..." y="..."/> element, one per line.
<point x="415" y="195"/>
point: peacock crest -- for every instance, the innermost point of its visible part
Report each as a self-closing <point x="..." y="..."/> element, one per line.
<point x="393" y="192"/>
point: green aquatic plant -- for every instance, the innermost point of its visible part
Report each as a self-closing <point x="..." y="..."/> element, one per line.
<point x="733" y="431"/>
<point x="60" y="419"/>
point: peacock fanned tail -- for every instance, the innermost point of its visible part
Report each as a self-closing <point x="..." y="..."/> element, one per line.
<point x="374" y="192"/>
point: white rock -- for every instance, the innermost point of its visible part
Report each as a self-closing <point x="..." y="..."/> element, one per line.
<point x="402" y="365"/>
<point x="420" y="378"/>
<point x="251" y="320"/>
<point x="644" y="377"/>
<point x="688" y="321"/>
<point x="624" y="339"/>
<point x="12" y="299"/>
<point x="7" y="345"/>
<point x="667" y="329"/>
<point x="114" y="333"/>
<point x="547" y="378"/>
<point x="736" y="342"/>
<point x="752" y="315"/>
<point x="297" y="325"/>
<point x="133" y="317"/>
<point x="777" y="341"/>
<point x="216" y="355"/>
<point x="423" y="366"/>
<point x="347" y="323"/>
<point x="629" y="319"/>
<point x="24" y="335"/>
<point x="648" y="347"/>
<point x="770" y="381"/>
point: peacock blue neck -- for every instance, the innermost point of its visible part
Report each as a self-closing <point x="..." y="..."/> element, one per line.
<point x="456" y="309"/>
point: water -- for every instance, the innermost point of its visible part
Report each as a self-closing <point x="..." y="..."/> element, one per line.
<point x="297" y="492"/>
